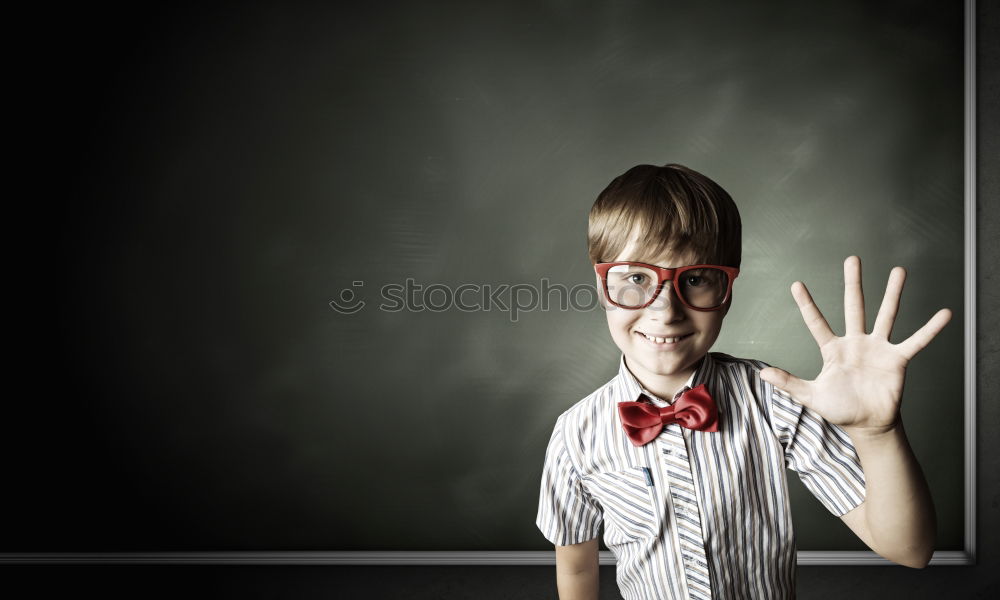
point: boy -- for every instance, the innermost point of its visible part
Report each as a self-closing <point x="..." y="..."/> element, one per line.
<point x="682" y="455"/>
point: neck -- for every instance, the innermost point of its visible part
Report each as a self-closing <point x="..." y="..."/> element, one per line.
<point x="663" y="386"/>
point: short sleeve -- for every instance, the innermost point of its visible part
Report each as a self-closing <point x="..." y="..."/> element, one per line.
<point x="567" y="513"/>
<point x="820" y="452"/>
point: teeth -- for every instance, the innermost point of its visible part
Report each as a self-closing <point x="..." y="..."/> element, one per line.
<point x="660" y="340"/>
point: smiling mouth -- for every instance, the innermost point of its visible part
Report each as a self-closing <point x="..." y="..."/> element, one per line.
<point x="663" y="342"/>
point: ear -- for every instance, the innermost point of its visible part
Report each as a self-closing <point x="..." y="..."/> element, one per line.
<point x="599" y="287"/>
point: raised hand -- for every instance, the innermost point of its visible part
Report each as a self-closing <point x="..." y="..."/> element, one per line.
<point x="861" y="384"/>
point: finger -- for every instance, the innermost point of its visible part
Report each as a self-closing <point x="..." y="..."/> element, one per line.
<point x="786" y="382"/>
<point x="890" y="303"/>
<point x="923" y="336"/>
<point x="813" y="318"/>
<point x="854" y="298"/>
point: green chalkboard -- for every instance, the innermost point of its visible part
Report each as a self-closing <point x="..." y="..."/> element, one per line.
<point x="217" y="180"/>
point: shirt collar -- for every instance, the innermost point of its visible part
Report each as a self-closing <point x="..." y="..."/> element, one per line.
<point x="633" y="388"/>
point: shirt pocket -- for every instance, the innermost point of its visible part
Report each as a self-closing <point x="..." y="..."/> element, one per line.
<point x="628" y="503"/>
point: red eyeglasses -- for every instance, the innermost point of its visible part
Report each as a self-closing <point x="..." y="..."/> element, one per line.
<point x="636" y="285"/>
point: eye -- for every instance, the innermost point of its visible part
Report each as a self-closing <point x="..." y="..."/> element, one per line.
<point x="639" y="275"/>
<point x="694" y="280"/>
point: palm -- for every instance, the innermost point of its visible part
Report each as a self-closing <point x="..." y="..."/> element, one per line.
<point x="861" y="383"/>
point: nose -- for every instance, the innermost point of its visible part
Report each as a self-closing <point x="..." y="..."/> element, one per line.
<point x="667" y="306"/>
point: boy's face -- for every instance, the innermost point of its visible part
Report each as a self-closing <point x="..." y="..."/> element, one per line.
<point x="663" y="367"/>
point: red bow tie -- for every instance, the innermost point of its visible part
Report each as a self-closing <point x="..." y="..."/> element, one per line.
<point x="643" y="421"/>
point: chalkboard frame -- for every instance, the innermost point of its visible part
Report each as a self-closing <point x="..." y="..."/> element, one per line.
<point x="967" y="556"/>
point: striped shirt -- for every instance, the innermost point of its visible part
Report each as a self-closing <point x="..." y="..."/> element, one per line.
<point x="695" y="514"/>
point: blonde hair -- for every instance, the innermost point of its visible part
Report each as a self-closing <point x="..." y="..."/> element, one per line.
<point x="667" y="209"/>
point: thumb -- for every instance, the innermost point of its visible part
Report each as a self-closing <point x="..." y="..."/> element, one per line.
<point x="785" y="381"/>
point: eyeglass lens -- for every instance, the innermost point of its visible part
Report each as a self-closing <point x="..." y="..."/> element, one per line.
<point x="633" y="286"/>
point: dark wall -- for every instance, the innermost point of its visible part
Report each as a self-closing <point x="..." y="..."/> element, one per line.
<point x="523" y="582"/>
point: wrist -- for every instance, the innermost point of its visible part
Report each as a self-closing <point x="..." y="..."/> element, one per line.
<point x="875" y="434"/>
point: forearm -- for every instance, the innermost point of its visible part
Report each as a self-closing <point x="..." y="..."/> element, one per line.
<point x="898" y="507"/>
<point x="577" y="570"/>
<point x="580" y="585"/>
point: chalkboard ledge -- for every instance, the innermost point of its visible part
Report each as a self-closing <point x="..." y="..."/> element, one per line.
<point x="805" y="558"/>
